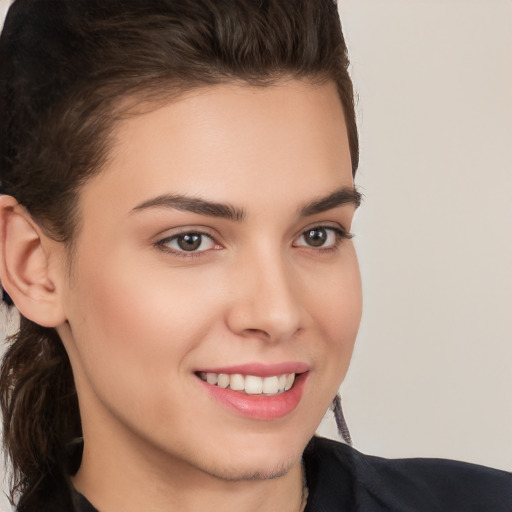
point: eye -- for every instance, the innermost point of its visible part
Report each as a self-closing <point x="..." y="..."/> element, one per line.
<point x="189" y="242"/>
<point x="322" y="237"/>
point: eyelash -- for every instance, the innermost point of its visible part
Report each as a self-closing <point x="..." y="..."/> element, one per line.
<point x="339" y="234"/>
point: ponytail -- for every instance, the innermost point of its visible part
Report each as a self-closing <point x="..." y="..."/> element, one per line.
<point x="40" y="413"/>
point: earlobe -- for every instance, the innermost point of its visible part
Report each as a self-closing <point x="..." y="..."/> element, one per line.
<point x="24" y="266"/>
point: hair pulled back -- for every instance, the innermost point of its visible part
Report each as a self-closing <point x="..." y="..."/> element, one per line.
<point x="65" y="68"/>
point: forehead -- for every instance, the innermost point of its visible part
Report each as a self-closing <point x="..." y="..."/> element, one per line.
<point x="225" y="141"/>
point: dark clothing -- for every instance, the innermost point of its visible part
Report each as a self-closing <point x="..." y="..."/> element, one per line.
<point x="340" y="479"/>
<point x="84" y="505"/>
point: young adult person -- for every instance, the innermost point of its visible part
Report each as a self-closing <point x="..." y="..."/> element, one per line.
<point x="177" y="182"/>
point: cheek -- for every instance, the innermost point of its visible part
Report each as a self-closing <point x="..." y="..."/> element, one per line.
<point x="135" y="333"/>
<point x="339" y="302"/>
<point x="141" y="316"/>
<point x="338" y="314"/>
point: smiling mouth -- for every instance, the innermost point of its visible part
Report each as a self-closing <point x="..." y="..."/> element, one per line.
<point x="250" y="384"/>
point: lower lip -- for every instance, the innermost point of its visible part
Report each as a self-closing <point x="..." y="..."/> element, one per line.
<point x="260" y="407"/>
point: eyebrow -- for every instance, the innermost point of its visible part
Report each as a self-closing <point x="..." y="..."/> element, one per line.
<point x="194" y="205"/>
<point x="344" y="195"/>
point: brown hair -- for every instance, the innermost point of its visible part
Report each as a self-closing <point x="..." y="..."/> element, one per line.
<point x="65" y="66"/>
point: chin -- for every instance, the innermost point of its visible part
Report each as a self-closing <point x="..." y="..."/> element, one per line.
<point x="254" y="460"/>
<point x="245" y="471"/>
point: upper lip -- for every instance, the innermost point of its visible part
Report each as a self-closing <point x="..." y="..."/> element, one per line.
<point x="260" y="369"/>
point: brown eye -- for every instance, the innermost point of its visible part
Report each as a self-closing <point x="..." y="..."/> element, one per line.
<point x="321" y="237"/>
<point x="315" y="237"/>
<point x="189" y="241"/>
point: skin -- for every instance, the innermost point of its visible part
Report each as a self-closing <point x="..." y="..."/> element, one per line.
<point x="138" y="318"/>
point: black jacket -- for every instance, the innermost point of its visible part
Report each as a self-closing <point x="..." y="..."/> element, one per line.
<point x="342" y="479"/>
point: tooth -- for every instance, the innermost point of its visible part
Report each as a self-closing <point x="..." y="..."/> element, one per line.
<point x="236" y="382"/>
<point x="253" y="385"/>
<point x="211" y="378"/>
<point x="223" y="380"/>
<point x="290" y="378"/>
<point x="270" y="385"/>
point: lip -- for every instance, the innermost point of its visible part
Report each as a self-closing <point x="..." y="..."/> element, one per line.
<point x="259" y="407"/>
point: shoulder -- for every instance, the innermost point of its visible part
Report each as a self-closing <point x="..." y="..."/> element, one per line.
<point x="341" y="478"/>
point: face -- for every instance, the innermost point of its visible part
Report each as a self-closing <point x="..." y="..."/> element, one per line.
<point x="215" y="296"/>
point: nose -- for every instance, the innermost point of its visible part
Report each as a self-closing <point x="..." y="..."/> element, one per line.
<point x="265" y="302"/>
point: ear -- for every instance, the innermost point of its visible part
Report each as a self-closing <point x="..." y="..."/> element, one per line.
<point x="24" y="265"/>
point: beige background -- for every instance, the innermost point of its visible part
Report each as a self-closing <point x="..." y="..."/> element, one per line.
<point x="432" y="370"/>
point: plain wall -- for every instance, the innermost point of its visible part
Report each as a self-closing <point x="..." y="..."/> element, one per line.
<point x="431" y="374"/>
